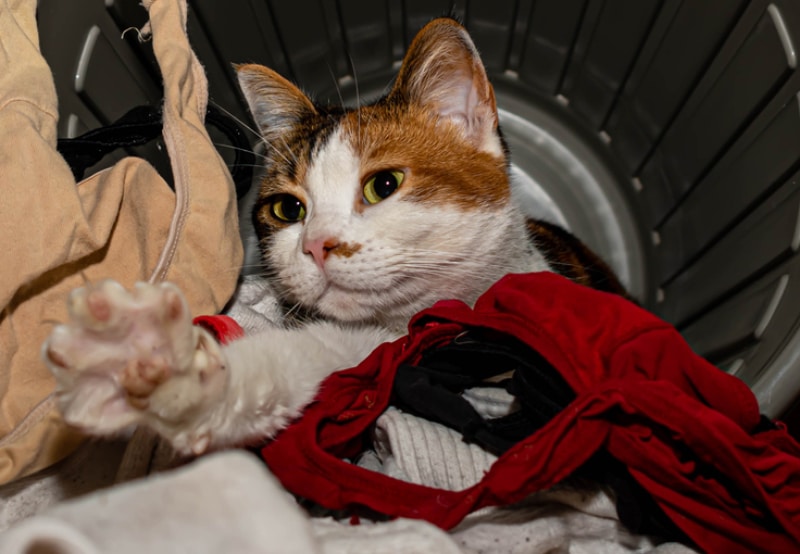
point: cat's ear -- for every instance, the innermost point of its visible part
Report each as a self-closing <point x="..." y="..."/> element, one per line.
<point x="276" y="104"/>
<point x="443" y="73"/>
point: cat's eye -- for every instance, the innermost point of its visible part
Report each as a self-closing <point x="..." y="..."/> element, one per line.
<point x="382" y="185"/>
<point x="288" y="208"/>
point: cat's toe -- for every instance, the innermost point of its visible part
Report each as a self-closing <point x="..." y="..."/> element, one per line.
<point x="69" y="350"/>
<point x="53" y="352"/>
<point x="164" y="301"/>
<point x="98" y="306"/>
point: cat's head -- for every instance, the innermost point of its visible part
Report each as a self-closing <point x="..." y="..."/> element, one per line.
<point x="375" y="213"/>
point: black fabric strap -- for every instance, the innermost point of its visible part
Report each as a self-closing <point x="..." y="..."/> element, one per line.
<point x="137" y="127"/>
<point x="143" y="124"/>
<point x="432" y="389"/>
<point x="415" y="391"/>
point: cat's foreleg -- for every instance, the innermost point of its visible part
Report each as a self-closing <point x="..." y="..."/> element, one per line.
<point x="275" y="373"/>
<point x="129" y="358"/>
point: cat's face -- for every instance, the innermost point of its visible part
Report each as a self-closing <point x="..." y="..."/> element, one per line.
<point x="374" y="214"/>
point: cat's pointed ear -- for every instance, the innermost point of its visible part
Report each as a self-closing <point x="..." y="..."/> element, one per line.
<point x="443" y="72"/>
<point x="276" y="104"/>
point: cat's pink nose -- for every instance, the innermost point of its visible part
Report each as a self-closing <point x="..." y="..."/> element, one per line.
<point x="320" y="248"/>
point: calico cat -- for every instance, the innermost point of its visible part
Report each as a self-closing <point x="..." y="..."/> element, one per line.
<point x="365" y="216"/>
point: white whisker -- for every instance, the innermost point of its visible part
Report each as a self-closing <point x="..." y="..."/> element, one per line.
<point x="259" y="136"/>
<point x="239" y="121"/>
<point x="239" y="149"/>
<point x="336" y="86"/>
<point x="289" y="150"/>
<point x="358" y="98"/>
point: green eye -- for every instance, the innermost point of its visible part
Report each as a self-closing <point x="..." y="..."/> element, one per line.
<point x="381" y="185"/>
<point x="288" y="208"/>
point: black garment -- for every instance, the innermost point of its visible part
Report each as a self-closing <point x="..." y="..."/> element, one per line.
<point x="143" y="124"/>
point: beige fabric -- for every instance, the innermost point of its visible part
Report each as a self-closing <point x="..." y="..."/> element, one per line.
<point x="122" y="223"/>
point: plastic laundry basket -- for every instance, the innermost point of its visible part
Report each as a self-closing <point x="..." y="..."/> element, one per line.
<point x="664" y="133"/>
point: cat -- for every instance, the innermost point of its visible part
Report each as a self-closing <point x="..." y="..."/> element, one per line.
<point x="364" y="216"/>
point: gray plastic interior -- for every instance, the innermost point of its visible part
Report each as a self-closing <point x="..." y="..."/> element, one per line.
<point x="666" y="134"/>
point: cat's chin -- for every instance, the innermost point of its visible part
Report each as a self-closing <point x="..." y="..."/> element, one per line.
<point x="367" y="307"/>
<point x="346" y="305"/>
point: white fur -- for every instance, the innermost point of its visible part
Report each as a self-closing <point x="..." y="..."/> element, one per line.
<point x="274" y="374"/>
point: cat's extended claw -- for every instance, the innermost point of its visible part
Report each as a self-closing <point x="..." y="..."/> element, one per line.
<point x="132" y="357"/>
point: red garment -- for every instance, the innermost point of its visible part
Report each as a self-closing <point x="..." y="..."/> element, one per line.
<point x="682" y="426"/>
<point x="223" y="327"/>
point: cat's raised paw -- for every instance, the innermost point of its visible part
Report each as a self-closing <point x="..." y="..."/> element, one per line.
<point x="132" y="357"/>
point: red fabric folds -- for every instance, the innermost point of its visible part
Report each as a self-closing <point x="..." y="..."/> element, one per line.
<point x="683" y="427"/>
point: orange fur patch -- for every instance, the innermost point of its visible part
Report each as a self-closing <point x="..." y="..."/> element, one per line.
<point x="345" y="249"/>
<point x="440" y="165"/>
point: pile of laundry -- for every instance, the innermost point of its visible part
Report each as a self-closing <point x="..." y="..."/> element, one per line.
<point x="549" y="416"/>
<point x="602" y="390"/>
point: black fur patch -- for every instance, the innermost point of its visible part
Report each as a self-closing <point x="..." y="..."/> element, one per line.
<point x="569" y="257"/>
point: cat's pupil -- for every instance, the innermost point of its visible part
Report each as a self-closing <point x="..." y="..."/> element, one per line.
<point x="292" y="207"/>
<point x="385" y="184"/>
<point x="288" y="208"/>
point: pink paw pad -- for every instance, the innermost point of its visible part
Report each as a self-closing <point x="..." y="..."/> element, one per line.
<point x="118" y="351"/>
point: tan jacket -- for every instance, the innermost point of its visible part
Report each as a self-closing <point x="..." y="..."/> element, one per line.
<point x="122" y="223"/>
